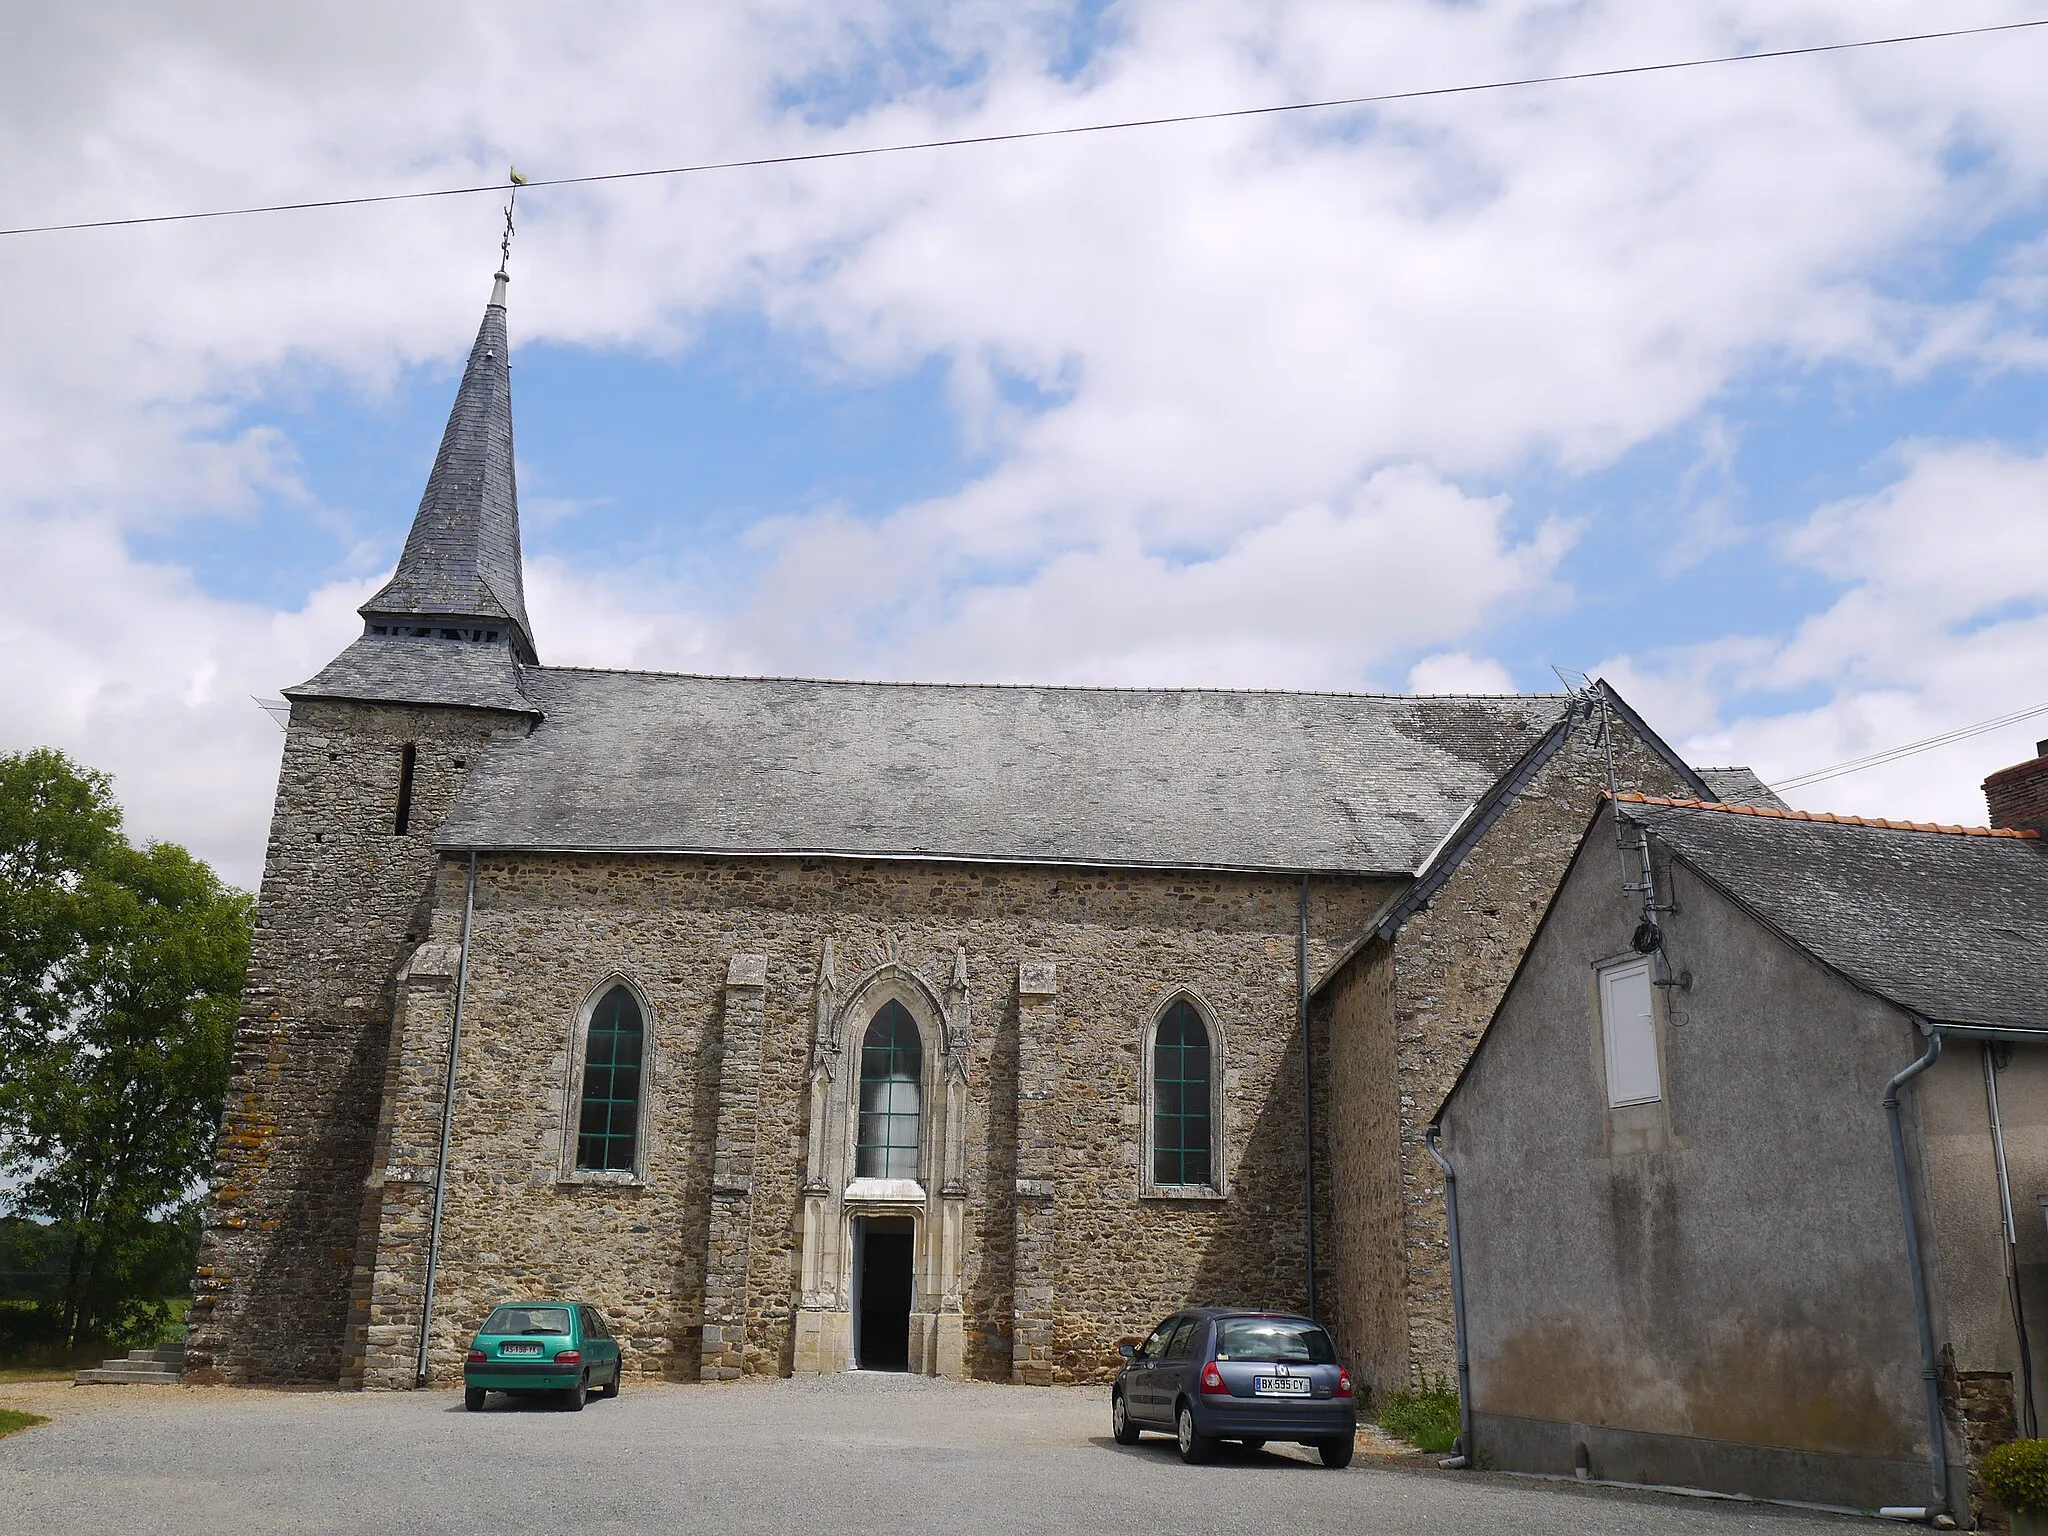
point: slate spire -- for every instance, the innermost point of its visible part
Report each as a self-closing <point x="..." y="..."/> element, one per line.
<point x="460" y="574"/>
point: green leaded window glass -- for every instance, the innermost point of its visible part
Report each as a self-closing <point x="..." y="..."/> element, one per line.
<point x="891" y="1063"/>
<point x="1182" y="1079"/>
<point x="607" y="1134"/>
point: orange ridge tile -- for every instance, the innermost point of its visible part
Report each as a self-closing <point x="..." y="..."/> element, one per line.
<point x="1633" y="798"/>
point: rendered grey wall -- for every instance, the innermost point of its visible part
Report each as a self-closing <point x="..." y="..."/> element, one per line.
<point x="1712" y="1291"/>
<point x="1983" y="1379"/>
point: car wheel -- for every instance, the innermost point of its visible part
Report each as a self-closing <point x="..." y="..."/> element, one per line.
<point x="611" y="1388"/>
<point x="580" y="1393"/>
<point x="473" y="1399"/>
<point x="1195" y="1447"/>
<point x="1336" y="1451"/>
<point x="1120" y="1424"/>
<point x="1253" y="1442"/>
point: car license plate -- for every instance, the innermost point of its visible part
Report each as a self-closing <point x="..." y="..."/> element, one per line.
<point x="1280" y="1386"/>
<point x="518" y="1349"/>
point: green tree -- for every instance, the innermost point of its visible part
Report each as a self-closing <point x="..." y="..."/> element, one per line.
<point x="120" y="968"/>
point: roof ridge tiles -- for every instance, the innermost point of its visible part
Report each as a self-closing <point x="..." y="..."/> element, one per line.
<point x="899" y="682"/>
<point x="1633" y="798"/>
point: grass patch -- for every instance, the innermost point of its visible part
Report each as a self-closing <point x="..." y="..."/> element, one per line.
<point x="12" y="1419"/>
<point x="15" y="1373"/>
<point x="1426" y="1419"/>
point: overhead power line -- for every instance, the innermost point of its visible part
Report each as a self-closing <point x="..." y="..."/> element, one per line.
<point x="1893" y="754"/>
<point x="809" y="157"/>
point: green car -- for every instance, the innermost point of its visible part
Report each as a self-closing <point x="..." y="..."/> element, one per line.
<point x="542" y="1346"/>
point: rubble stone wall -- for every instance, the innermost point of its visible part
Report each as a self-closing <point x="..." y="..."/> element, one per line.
<point x="1361" y="1270"/>
<point x="549" y="931"/>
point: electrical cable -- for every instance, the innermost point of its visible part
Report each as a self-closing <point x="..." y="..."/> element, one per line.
<point x="1893" y="754"/>
<point x="814" y="156"/>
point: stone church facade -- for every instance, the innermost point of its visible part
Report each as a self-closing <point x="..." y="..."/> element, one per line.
<point x="808" y="1026"/>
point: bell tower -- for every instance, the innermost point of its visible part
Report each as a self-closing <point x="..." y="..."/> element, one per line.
<point x="378" y="749"/>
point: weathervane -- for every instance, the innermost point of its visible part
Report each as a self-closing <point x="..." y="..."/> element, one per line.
<point x="505" y="245"/>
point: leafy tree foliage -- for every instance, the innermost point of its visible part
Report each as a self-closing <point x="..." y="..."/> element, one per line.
<point x="120" y="968"/>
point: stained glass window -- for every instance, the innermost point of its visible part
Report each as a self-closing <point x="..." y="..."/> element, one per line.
<point x="891" y="1062"/>
<point x="1182" y="1076"/>
<point x="608" y="1132"/>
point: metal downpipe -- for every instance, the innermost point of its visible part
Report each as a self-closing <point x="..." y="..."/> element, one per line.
<point x="1432" y="1139"/>
<point x="447" y="1125"/>
<point x="1937" y="1454"/>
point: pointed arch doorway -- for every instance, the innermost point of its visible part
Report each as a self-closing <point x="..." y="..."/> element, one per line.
<point x="884" y="1197"/>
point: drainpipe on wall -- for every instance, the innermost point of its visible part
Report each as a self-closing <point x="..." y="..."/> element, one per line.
<point x="1937" y="1448"/>
<point x="1308" y="1095"/>
<point x="447" y="1124"/>
<point x="1461" y="1452"/>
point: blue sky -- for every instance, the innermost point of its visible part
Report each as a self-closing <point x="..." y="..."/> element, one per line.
<point x="1730" y="386"/>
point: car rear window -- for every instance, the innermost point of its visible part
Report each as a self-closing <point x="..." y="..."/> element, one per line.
<point x="527" y="1320"/>
<point x="1272" y="1338"/>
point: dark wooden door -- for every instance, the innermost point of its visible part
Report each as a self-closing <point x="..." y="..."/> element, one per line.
<point x="885" y="1288"/>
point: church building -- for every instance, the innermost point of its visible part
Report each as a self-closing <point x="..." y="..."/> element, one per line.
<point x="807" y="1026"/>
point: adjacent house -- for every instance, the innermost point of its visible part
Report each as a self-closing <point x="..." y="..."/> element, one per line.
<point x="1750" y="1168"/>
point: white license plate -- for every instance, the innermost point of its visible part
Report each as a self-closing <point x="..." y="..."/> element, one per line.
<point x="518" y="1349"/>
<point x="1280" y="1386"/>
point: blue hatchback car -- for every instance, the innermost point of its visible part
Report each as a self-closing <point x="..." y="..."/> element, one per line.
<point x="1210" y="1374"/>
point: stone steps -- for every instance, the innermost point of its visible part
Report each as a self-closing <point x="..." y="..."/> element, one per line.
<point x="162" y="1366"/>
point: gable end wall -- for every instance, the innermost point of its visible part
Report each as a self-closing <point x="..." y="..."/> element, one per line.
<point x="1451" y="963"/>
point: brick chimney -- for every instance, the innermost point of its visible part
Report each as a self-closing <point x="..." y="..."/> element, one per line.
<point x="2018" y="796"/>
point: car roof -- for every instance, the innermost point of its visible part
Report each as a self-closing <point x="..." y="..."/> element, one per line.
<point x="1210" y="1314"/>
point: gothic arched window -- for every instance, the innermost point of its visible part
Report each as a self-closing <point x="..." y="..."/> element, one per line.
<point x="891" y="1064"/>
<point x="1183" y="1095"/>
<point x="608" y="1129"/>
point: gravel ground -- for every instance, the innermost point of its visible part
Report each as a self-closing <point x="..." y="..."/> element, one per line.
<point x="895" y="1454"/>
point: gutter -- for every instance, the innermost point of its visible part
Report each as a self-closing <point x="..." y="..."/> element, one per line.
<point x="447" y="1125"/>
<point x="1937" y="1451"/>
<point x="1462" y="1453"/>
<point x="927" y="856"/>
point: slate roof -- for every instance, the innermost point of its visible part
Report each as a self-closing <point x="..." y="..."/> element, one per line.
<point x="1740" y="786"/>
<point x="387" y="669"/>
<point x="1234" y="780"/>
<point x="1947" y="923"/>
<point x="461" y="558"/>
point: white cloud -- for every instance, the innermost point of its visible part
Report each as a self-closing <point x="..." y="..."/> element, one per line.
<point x="1942" y="621"/>
<point x="131" y="670"/>
<point x="1282" y="353"/>
<point x="1456" y="672"/>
